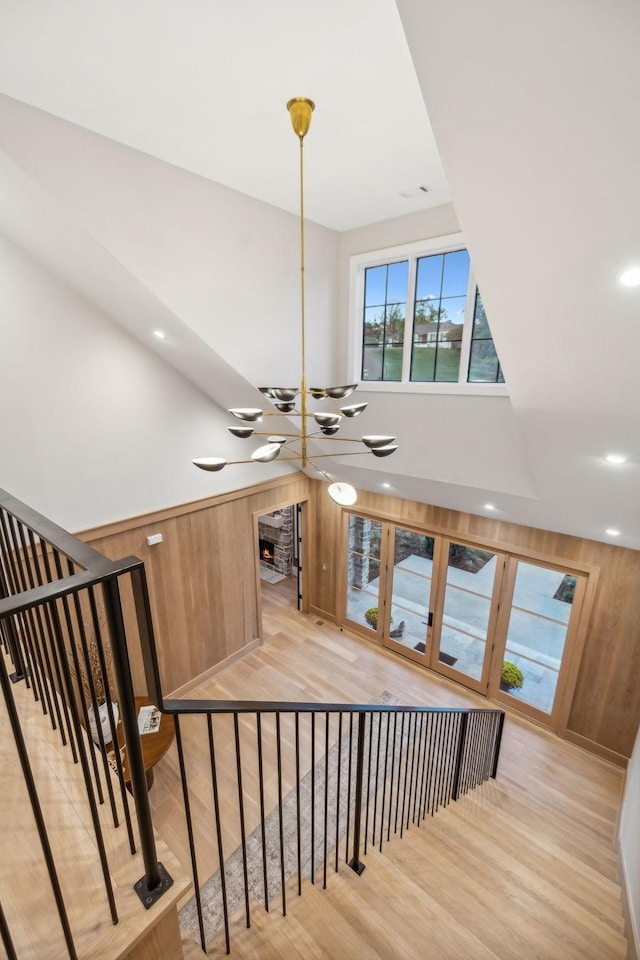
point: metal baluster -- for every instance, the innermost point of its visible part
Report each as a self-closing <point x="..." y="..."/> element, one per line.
<point x="192" y="846"/>
<point x="366" y="824"/>
<point x="393" y="766"/>
<point x="298" y="825"/>
<point x="434" y="760"/>
<point x="326" y="796"/>
<point x="338" y="777"/>
<point x="384" y="779"/>
<point x="261" y="793"/>
<point x="280" y="818"/>
<point x="356" y="863"/>
<point x="451" y="742"/>
<point x="375" y="793"/>
<point x="464" y="719"/>
<point x="418" y="779"/>
<point x="497" y="745"/>
<point x="313" y="798"/>
<point x="216" y="808"/>
<point x="425" y="766"/>
<point x="406" y="774"/>
<point x="9" y="948"/>
<point x="395" y="825"/>
<point x="236" y="731"/>
<point x="346" y="845"/>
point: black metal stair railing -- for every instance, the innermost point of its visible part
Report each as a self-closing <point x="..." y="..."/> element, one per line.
<point x="357" y="775"/>
<point x="295" y="789"/>
<point x="60" y="615"/>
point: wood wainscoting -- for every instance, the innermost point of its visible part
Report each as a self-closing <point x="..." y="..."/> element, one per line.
<point x="206" y="605"/>
<point x="202" y="577"/>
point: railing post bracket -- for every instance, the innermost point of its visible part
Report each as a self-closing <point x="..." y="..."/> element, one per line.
<point x="149" y="897"/>
<point x="357" y="866"/>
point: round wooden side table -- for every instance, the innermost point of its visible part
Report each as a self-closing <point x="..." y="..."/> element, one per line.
<point x="154" y="745"/>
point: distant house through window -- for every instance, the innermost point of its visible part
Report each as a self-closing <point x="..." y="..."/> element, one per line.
<point x="421" y="318"/>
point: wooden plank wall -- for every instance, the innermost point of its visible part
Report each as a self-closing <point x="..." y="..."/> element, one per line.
<point x="205" y="605"/>
<point x="202" y="577"/>
<point x="605" y="711"/>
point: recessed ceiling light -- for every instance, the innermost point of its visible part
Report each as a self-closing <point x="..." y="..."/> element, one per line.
<point x="387" y="486"/>
<point x="160" y="334"/>
<point x="615" y="458"/>
<point x="630" y="277"/>
<point x="489" y="506"/>
<point x="613" y="532"/>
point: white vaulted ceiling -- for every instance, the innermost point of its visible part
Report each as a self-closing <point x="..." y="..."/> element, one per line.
<point x="532" y="106"/>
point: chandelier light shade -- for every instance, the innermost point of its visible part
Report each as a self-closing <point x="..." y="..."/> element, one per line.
<point x="310" y="427"/>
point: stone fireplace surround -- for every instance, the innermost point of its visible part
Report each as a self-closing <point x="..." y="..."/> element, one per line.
<point x="277" y="528"/>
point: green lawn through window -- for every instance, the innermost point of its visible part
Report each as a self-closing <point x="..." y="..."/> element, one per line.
<point x="422" y="367"/>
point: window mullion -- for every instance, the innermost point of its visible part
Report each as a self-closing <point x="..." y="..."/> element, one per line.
<point x="467" y="330"/>
<point x="409" y="320"/>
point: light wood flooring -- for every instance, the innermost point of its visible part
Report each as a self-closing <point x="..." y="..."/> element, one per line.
<point x="25" y="889"/>
<point x="523" y="869"/>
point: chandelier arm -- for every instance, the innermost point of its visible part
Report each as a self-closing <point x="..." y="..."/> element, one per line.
<point x="320" y="436"/>
<point x="292" y="413"/>
<point x="356" y="453"/>
<point x="267" y="433"/>
<point x="320" y="470"/>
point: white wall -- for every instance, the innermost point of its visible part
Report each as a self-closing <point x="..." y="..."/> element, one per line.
<point x="629" y="840"/>
<point x="95" y="427"/>
<point x="227" y="265"/>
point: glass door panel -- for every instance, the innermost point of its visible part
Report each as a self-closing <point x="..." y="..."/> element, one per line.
<point x="410" y="592"/>
<point x="363" y="572"/>
<point x="466" y="617"/>
<point x="541" y="608"/>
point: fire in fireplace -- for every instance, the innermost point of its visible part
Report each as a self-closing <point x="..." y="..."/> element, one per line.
<point x="266" y="550"/>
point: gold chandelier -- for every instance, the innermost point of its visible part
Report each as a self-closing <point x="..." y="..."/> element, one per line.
<point x="293" y="402"/>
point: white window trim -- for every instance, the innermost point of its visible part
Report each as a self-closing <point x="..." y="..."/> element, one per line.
<point x="410" y="251"/>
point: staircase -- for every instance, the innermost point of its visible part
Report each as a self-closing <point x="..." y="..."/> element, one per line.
<point x="495" y="876"/>
<point x="502" y="872"/>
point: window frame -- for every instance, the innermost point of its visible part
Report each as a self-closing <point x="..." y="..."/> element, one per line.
<point x="412" y="252"/>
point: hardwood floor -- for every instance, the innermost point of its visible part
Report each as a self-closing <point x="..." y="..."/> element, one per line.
<point x="523" y="868"/>
<point x="25" y="887"/>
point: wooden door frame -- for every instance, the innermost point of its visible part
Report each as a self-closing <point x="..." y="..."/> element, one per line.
<point x="367" y="632"/>
<point x="387" y="641"/>
<point x="306" y="554"/>
<point x="481" y="685"/>
<point x="572" y="651"/>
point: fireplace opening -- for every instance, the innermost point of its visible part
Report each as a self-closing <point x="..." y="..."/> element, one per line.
<point x="266" y="551"/>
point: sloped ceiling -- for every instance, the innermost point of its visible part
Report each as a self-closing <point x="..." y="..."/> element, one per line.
<point x="532" y="109"/>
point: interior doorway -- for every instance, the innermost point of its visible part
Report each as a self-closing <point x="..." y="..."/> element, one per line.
<point x="279" y="554"/>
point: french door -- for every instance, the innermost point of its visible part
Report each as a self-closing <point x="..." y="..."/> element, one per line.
<point x="538" y="624"/>
<point x="470" y="613"/>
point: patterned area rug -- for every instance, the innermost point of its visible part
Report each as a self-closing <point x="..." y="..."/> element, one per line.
<point x="211" y="891"/>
